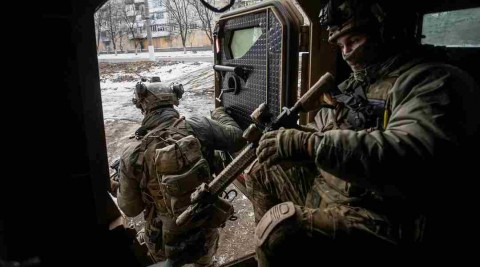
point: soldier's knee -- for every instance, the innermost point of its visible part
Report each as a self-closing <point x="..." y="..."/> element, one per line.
<point x="279" y="235"/>
<point x="275" y="221"/>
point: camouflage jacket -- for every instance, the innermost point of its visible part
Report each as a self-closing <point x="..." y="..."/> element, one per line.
<point x="219" y="133"/>
<point x="430" y="127"/>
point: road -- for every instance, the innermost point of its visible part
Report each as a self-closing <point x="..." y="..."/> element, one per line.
<point x="121" y="59"/>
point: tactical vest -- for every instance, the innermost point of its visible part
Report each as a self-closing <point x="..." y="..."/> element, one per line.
<point x="365" y="110"/>
<point x="368" y="110"/>
<point x="173" y="166"/>
<point x="180" y="168"/>
<point x="387" y="212"/>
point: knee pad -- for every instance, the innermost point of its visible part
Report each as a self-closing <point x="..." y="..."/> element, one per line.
<point x="280" y="238"/>
<point x="274" y="217"/>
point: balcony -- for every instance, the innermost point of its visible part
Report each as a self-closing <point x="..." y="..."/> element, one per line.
<point x="158" y="21"/>
<point x="160" y="34"/>
<point x="131" y="13"/>
<point x="160" y="31"/>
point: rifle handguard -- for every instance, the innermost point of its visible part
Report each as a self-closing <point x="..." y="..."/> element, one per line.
<point x="207" y="195"/>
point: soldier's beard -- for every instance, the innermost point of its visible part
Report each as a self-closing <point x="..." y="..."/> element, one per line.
<point x="362" y="56"/>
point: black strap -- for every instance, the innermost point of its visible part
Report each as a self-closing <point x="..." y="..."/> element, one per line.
<point x="175" y="127"/>
<point x="364" y="113"/>
<point x="217" y="10"/>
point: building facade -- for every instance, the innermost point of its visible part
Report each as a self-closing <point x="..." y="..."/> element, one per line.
<point x="132" y="32"/>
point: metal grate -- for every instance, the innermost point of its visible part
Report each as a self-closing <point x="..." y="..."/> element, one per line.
<point x="263" y="58"/>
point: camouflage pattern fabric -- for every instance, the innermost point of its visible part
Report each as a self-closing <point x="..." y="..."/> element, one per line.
<point x="139" y="189"/>
<point x="380" y="186"/>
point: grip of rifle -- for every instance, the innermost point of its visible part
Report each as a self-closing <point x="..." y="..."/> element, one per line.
<point x="312" y="98"/>
<point x="186" y="215"/>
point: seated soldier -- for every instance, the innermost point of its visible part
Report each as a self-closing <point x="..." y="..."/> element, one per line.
<point x="372" y="174"/>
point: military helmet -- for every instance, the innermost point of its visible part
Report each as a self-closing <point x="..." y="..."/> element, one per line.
<point x="388" y="19"/>
<point x="155" y="94"/>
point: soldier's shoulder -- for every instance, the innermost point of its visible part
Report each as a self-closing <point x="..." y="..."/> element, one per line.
<point x="436" y="69"/>
<point x="197" y="123"/>
<point x="130" y="153"/>
<point x="433" y="74"/>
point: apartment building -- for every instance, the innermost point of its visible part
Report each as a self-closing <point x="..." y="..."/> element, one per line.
<point x="132" y="32"/>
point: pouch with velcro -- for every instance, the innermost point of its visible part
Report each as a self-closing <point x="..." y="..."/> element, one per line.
<point x="174" y="158"/>
<point x="178" y="187"/>
<point x="180" y="169"/>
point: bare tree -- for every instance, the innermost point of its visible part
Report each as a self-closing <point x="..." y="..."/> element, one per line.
<point x="180" y="15"/>
<point x="99" y="17"/>
<point x="113" y="21"/>
<point x="206" y="17"/>
<point x="121" y="36"/>
<point x="131" y="24"/>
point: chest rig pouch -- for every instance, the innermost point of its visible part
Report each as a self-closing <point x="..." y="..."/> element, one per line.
<point x="180" y="167"/>
<point x="364" y="113"/>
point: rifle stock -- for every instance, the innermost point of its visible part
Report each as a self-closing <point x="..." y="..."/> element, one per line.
<point x="205" y="195"/>
<point x="312" y="98"/>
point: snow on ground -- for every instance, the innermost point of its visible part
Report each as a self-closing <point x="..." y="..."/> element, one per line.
<point x="117" y="89"/>
<point x="121" y="119"/>
<point x="145" y="55"/>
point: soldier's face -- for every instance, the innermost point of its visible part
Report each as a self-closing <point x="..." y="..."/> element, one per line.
<point x="357" y="50"/>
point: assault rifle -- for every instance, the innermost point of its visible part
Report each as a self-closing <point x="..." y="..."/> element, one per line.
<point x="114" y="178"/>
<point x="115" y="165"/>
<point x="206" y="196"/>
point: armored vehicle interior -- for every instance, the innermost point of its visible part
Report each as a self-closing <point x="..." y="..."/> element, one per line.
<point x="57" y="211"/>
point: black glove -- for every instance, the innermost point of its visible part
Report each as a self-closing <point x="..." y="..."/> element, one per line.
<point x="141" y="132"/>
<point x="293" y="145"/>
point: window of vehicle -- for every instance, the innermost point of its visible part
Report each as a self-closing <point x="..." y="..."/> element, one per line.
<point x="458" y="28"/>
<point x="242" y="40"/>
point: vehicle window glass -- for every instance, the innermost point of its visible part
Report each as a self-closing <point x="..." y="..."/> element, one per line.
<point x="243" y="40"/>
<point x="452" y="28"/>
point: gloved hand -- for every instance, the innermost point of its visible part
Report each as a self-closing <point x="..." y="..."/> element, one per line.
<point x="277" y="146"/>
<point x="218" y="113"/>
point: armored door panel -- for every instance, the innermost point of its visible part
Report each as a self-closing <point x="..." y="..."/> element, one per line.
<point x="256" y="60"/>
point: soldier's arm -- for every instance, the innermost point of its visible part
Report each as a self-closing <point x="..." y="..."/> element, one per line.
<point x="129" y="196"/>
<point x="220" y="133"/>
<point x="425" y="123"/>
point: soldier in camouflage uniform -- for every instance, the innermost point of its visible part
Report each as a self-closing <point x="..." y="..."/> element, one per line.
<point x="379" y="160"/>
<point x="139" y="189"/>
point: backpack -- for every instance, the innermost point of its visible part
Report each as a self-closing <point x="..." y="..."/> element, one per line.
<point x="171" y="166"/>
<point x="175" y="167"/>
<point x="180" y="169"/>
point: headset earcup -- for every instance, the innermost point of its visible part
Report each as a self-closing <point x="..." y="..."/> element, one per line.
<point x="178" y="90"/>
<point x="140" y="89"/>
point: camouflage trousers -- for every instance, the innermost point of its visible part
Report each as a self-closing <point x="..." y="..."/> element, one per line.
<point x="161" y="242"/>
<point x="315" y="223"/>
